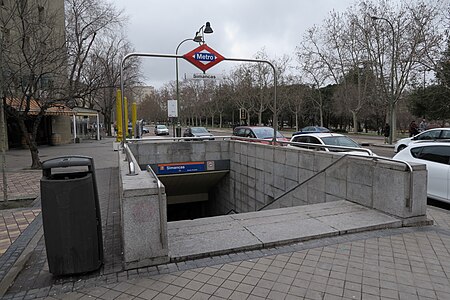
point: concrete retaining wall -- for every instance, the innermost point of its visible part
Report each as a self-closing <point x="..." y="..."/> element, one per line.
<point x="261" y="173"/>
<point x="143" y="217"/>
<point x="167" y="152"/>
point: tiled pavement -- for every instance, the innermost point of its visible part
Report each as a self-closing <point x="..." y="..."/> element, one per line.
<point x="21" y="184"/>
<point x="12" y="223"/>
<point x="408" y="263"/>
<point x="405" y="263"/>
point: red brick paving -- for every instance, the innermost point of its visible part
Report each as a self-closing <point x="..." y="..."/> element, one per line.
<point x="21" y="185"/>
<point x="12" y="223"/>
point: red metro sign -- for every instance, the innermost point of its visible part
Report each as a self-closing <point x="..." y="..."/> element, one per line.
<point x="203" y="57"/>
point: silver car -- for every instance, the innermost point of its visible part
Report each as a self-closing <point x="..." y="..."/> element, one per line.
<point x="348" y="146"/>
<point x="161" y="130"/>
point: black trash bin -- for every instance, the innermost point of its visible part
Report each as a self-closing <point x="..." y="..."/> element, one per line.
<point x="71" y="216"/>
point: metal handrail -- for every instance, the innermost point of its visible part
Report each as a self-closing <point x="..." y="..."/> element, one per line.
<point x="373" y="158"/>
<point x="162" y="237"/>
<point x="129" y="160"/>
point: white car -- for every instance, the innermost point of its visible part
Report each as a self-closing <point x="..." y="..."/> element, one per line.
<point x="331" y="139"/>
<point x="427" y="135"/>
<point x="161" y="130"/>
<point x="436" y="156"/>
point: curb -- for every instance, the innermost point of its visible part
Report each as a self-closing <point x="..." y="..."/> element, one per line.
<point x="14" y="259"/>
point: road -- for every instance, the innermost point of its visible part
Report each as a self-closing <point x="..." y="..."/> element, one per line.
<point x="374" y="143"/>
<point x="362" y="139"/>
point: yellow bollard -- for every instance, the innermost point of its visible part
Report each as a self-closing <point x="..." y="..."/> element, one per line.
<point x="133" y="118"/>
<point x="119" y="116"/>
<point x="125" y="106"/>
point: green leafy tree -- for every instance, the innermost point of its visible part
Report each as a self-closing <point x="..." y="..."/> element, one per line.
<point x="432" y="102"/>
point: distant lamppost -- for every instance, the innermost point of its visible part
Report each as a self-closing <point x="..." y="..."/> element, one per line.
<point x="199" y="38"/>
<point x="391" y="113"/>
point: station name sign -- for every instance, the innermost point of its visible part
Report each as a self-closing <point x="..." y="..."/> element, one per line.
<point x="177" y="168"/>
<point x="204" y="76"/>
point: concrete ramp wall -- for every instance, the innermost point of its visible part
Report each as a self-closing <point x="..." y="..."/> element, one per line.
<point x="261" y="174"/>
<point x="143" y="215"/>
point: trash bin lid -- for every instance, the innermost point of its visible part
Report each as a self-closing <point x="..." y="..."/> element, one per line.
<point x="67" y="161"/>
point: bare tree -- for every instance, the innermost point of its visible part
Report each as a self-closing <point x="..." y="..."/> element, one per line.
<point x="399" y="40"/>
<point x="241" y="83"/>
<point x="262" y="77"/>
<point x="337" y="55"/>
<point x="296" y="93"/>
<point x="103" y="74"/>
<point x="86" y="20"/>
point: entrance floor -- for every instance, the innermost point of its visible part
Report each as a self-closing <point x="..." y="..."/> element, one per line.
<point x="191" y="239"/>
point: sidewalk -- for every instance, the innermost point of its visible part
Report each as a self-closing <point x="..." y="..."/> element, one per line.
<point x="23" y="183"/>
<point x="400" y="263"/>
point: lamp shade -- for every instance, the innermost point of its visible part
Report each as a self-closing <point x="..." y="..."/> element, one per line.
<point x="208" y="28"/>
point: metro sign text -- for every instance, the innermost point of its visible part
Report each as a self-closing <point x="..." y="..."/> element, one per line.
<point x="203" y="57"/>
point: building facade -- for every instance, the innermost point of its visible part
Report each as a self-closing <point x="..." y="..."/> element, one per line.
<point x="33" y="68"/>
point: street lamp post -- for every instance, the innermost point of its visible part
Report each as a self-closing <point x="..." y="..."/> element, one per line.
<point x="199" y="38"/>
<point x="391" y="108"/>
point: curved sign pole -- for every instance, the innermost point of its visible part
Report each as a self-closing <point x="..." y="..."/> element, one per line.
<point x="136" y="54"/>
<point x="203" y="57"/>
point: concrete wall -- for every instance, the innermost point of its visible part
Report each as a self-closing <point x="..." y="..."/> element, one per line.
<point x="167" y="152"/>
<point x="143" y="216"/>
<point x="261" y="173"/>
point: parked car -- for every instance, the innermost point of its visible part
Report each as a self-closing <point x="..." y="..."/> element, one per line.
<point x="200" y="133"/>
<point x="430" y="135"/>
<point x="436" y="156"/>
<point x="258" y="132"/>
<point x="311" y="129"/>
<point x="161" y="130"/>
<point x="330" y="139"/>
<point x="145" y="130"/>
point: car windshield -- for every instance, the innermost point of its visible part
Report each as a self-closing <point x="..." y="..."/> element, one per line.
<point x="199" y="130"/>
<point x="265" y="133"/>
<point x="340" y="141"/>
<point x="161" y="127"/>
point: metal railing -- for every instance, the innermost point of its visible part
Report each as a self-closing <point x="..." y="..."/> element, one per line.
<point x="342" y="158"/>
<point x="162" y="237"/>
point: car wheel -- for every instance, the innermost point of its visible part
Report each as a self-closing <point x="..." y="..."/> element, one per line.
<point x="400" y="148"/>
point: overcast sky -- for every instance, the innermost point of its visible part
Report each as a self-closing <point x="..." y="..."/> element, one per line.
<point x="241" y="29"/>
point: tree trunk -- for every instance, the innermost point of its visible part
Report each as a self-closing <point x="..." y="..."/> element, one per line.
<point x="107" y="122"/>
<point x="32" y="145"/>
<point x="355" y="121"/>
